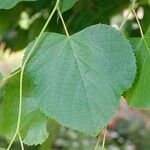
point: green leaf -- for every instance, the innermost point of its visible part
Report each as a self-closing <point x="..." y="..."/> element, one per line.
<point x="37" y="129"/>
<point x="66" y="5"/>
<point x="33" y="122"/>
<point x="2" y="149"/>
<point x="79" y="79"/>
<point x="139" y="95"/>
<point x="7" y="4"/>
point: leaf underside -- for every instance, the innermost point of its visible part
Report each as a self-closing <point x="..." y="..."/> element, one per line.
<point x="139" y="95"/>
<point x="76" y="80"/>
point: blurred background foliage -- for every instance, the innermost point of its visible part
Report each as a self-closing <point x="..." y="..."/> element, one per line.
<point x="128" y="130"/>
<point x="21" y="24"/>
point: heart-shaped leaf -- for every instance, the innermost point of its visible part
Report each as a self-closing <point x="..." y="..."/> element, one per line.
<point x="139" y="95"/>
<point x="79" y="79"/>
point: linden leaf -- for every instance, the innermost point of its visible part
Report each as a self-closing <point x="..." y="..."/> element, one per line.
<point x="79" y="79"/>
<point x="139" y="95"/>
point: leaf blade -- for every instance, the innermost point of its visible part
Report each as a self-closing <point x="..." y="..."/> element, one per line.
<point x="72" y="85"/>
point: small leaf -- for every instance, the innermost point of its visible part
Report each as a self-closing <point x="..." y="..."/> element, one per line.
<point x="33" y="122"/>
<point x="37" y="130"/>
<point x="139" y="95"/>
<point x="7" y="4"/>
<point x="79" y="79"/>
<point x="66" y="5"/>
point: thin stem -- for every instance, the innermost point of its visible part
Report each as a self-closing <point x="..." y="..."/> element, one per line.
<point x="104" y="139"/>
<point x="141" y="31"/>
<point x="7" y="78"/>
<point x="98" y="141"/>
<point x="128" y="14"/>
<point x="12" y="141"/>
<point x="126" y="17"/>
<point x="21" y="142"/>
<point x="63" y="22"/>
<point x="133" y="4"/>
<point x="23" y="68"/>
<point x="138" y="22"/>
<point x="41" y="33"/>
